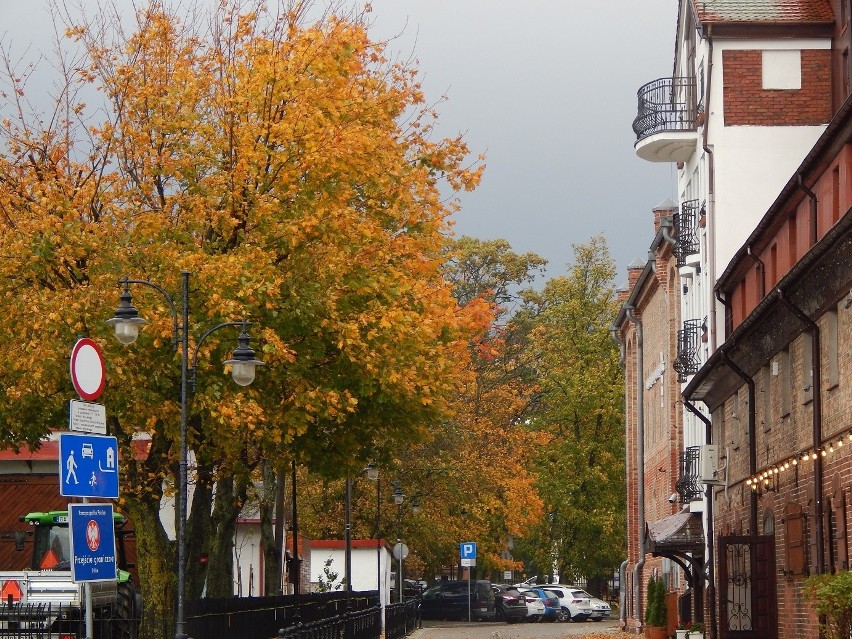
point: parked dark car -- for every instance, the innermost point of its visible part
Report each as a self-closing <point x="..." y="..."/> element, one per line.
<point x="457" y="600"/>
<point x="509" y="604"/>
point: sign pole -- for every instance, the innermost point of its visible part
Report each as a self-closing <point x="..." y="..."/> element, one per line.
<point x="469" y="613"/>
<point x="87" y="596"/>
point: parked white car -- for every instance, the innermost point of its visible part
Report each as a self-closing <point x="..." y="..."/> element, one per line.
<point x="573" y="602"/>
<point x="535" y="606"/>
<point x="600" y="608"/>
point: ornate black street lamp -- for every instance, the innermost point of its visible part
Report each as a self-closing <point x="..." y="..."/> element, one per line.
<point x="127" y="323"/>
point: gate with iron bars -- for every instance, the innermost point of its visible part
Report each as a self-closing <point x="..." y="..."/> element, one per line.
<point x="747" y="597"/>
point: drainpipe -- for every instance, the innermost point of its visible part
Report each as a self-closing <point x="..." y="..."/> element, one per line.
<point x="622" y="594"/>
<point x="813" y="209"/>
<point x="666" y="224"/>
<point x="728" y="312"/>
<point x="640" y="463"/>
<point x="761" y="267"/>
<point x="816" y="385"/>
<point x="752" y="435"/>
<point x="711" y="568"/>
<point x="622" y="569"/>
<point x="711" y="190"/>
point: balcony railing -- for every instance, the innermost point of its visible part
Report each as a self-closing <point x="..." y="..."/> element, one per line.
<point x="688" y="344"/>
<point x="667" y="104"/>
<point x="686" y="231"/>
<point x="689" y="485"/>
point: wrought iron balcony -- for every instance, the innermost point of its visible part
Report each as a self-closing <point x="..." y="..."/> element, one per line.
<point x="686" y="231"/>
<point x="688" y="344"/>
<point x="689" y="485"/>
<point x="665" y="125"/>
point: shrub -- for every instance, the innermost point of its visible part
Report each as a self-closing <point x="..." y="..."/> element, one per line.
<point x="832" y="597"/>
<point x="656" y="613"/>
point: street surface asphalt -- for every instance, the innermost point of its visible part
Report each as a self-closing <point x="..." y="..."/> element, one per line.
<point x="500" y="630"/>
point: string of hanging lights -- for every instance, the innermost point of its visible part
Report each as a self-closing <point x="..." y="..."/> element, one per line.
<point x="766" y="479"/>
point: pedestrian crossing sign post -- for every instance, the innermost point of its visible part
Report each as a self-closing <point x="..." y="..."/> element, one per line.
<point x="88" y="466"/>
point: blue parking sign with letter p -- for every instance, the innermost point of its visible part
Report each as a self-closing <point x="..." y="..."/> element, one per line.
<point x="468" y="550"/>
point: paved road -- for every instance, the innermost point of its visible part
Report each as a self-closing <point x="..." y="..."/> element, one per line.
<point x="500" y="630"/>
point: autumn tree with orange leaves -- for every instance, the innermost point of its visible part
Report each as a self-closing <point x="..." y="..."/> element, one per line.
<point x="473" y="475"/>
<point x="293" y="171"/>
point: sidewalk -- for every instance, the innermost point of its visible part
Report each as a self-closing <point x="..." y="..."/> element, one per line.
<point x="499" y="630"/>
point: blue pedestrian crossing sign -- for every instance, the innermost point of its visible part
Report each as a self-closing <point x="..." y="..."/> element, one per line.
<point x="92" y="532"/>
<point x="88" y="466"/>
<point x="468" y="550"/>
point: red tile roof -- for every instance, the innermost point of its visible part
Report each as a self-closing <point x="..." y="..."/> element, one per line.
<point x="49" y="451"/>
<point x="761" y="11"/>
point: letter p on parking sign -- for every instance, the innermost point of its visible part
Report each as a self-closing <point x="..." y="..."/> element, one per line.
<point x="468" y="550"/>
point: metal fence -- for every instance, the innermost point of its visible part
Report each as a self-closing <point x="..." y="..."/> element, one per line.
<point x="48" y="621"/>
<point x="265" y="617"/>
<point x="364" y="624"/>
<point x="401" y="619"/>
<point x="330" y="615"/>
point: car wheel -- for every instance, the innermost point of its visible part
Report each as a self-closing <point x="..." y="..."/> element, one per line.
<point x="564" y="614"/>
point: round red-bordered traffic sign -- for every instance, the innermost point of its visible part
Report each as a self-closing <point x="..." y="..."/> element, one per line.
<point x="88" y="371"/>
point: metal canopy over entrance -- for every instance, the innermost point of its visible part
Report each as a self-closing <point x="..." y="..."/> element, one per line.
<point x="680" y="537"/>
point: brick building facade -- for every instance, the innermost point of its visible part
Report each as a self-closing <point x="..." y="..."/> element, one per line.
<point x="779" y="392"/>
<point x="646" y="328"/>
<point x="756" y="118"/>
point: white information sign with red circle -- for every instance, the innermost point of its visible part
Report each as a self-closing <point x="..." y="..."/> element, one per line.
<point x="88" y="372"/>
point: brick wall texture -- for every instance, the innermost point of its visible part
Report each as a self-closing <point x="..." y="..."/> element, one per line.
<point x="657" y="307"/>
<point x="782" y="436"/>
<point x="747" y="103"/>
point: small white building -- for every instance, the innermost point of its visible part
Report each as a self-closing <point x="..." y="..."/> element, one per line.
<point x="371" y="564"/>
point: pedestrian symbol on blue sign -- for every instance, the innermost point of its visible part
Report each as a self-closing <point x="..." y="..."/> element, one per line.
<point x="88" y="466"/>
<point x="468" y="550"/>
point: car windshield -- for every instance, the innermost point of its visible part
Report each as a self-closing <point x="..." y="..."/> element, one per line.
<point x="52" y="548"/>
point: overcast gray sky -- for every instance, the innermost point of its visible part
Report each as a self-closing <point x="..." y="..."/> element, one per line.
<point x="545" y="88"/>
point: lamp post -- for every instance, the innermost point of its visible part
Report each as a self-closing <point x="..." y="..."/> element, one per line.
<point x="372" y="473"/>
<point x="243" y="363"/>
<point x="347" y="536"/>
<point x="399" y="499"/>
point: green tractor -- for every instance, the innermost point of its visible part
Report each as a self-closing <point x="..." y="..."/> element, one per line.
<point x="44" y="598"/>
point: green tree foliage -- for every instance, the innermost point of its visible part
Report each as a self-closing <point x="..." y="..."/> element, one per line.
<point x="580" y="403"/>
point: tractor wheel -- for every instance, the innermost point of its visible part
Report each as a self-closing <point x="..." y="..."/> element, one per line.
<point x="125" y="621"/>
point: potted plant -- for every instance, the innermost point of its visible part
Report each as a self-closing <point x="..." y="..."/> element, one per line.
<point x="696" y="631"/>
<point x="656" y="612"/>
<point x="682" y="631"/>
<point x="832" y="597"/>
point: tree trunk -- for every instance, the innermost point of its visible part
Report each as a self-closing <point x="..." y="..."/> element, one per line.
<point x="199" y="530"/>
<point x="155" y="562"/>
<point x="230" y="496"/>
<point x="273" y="492"/>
